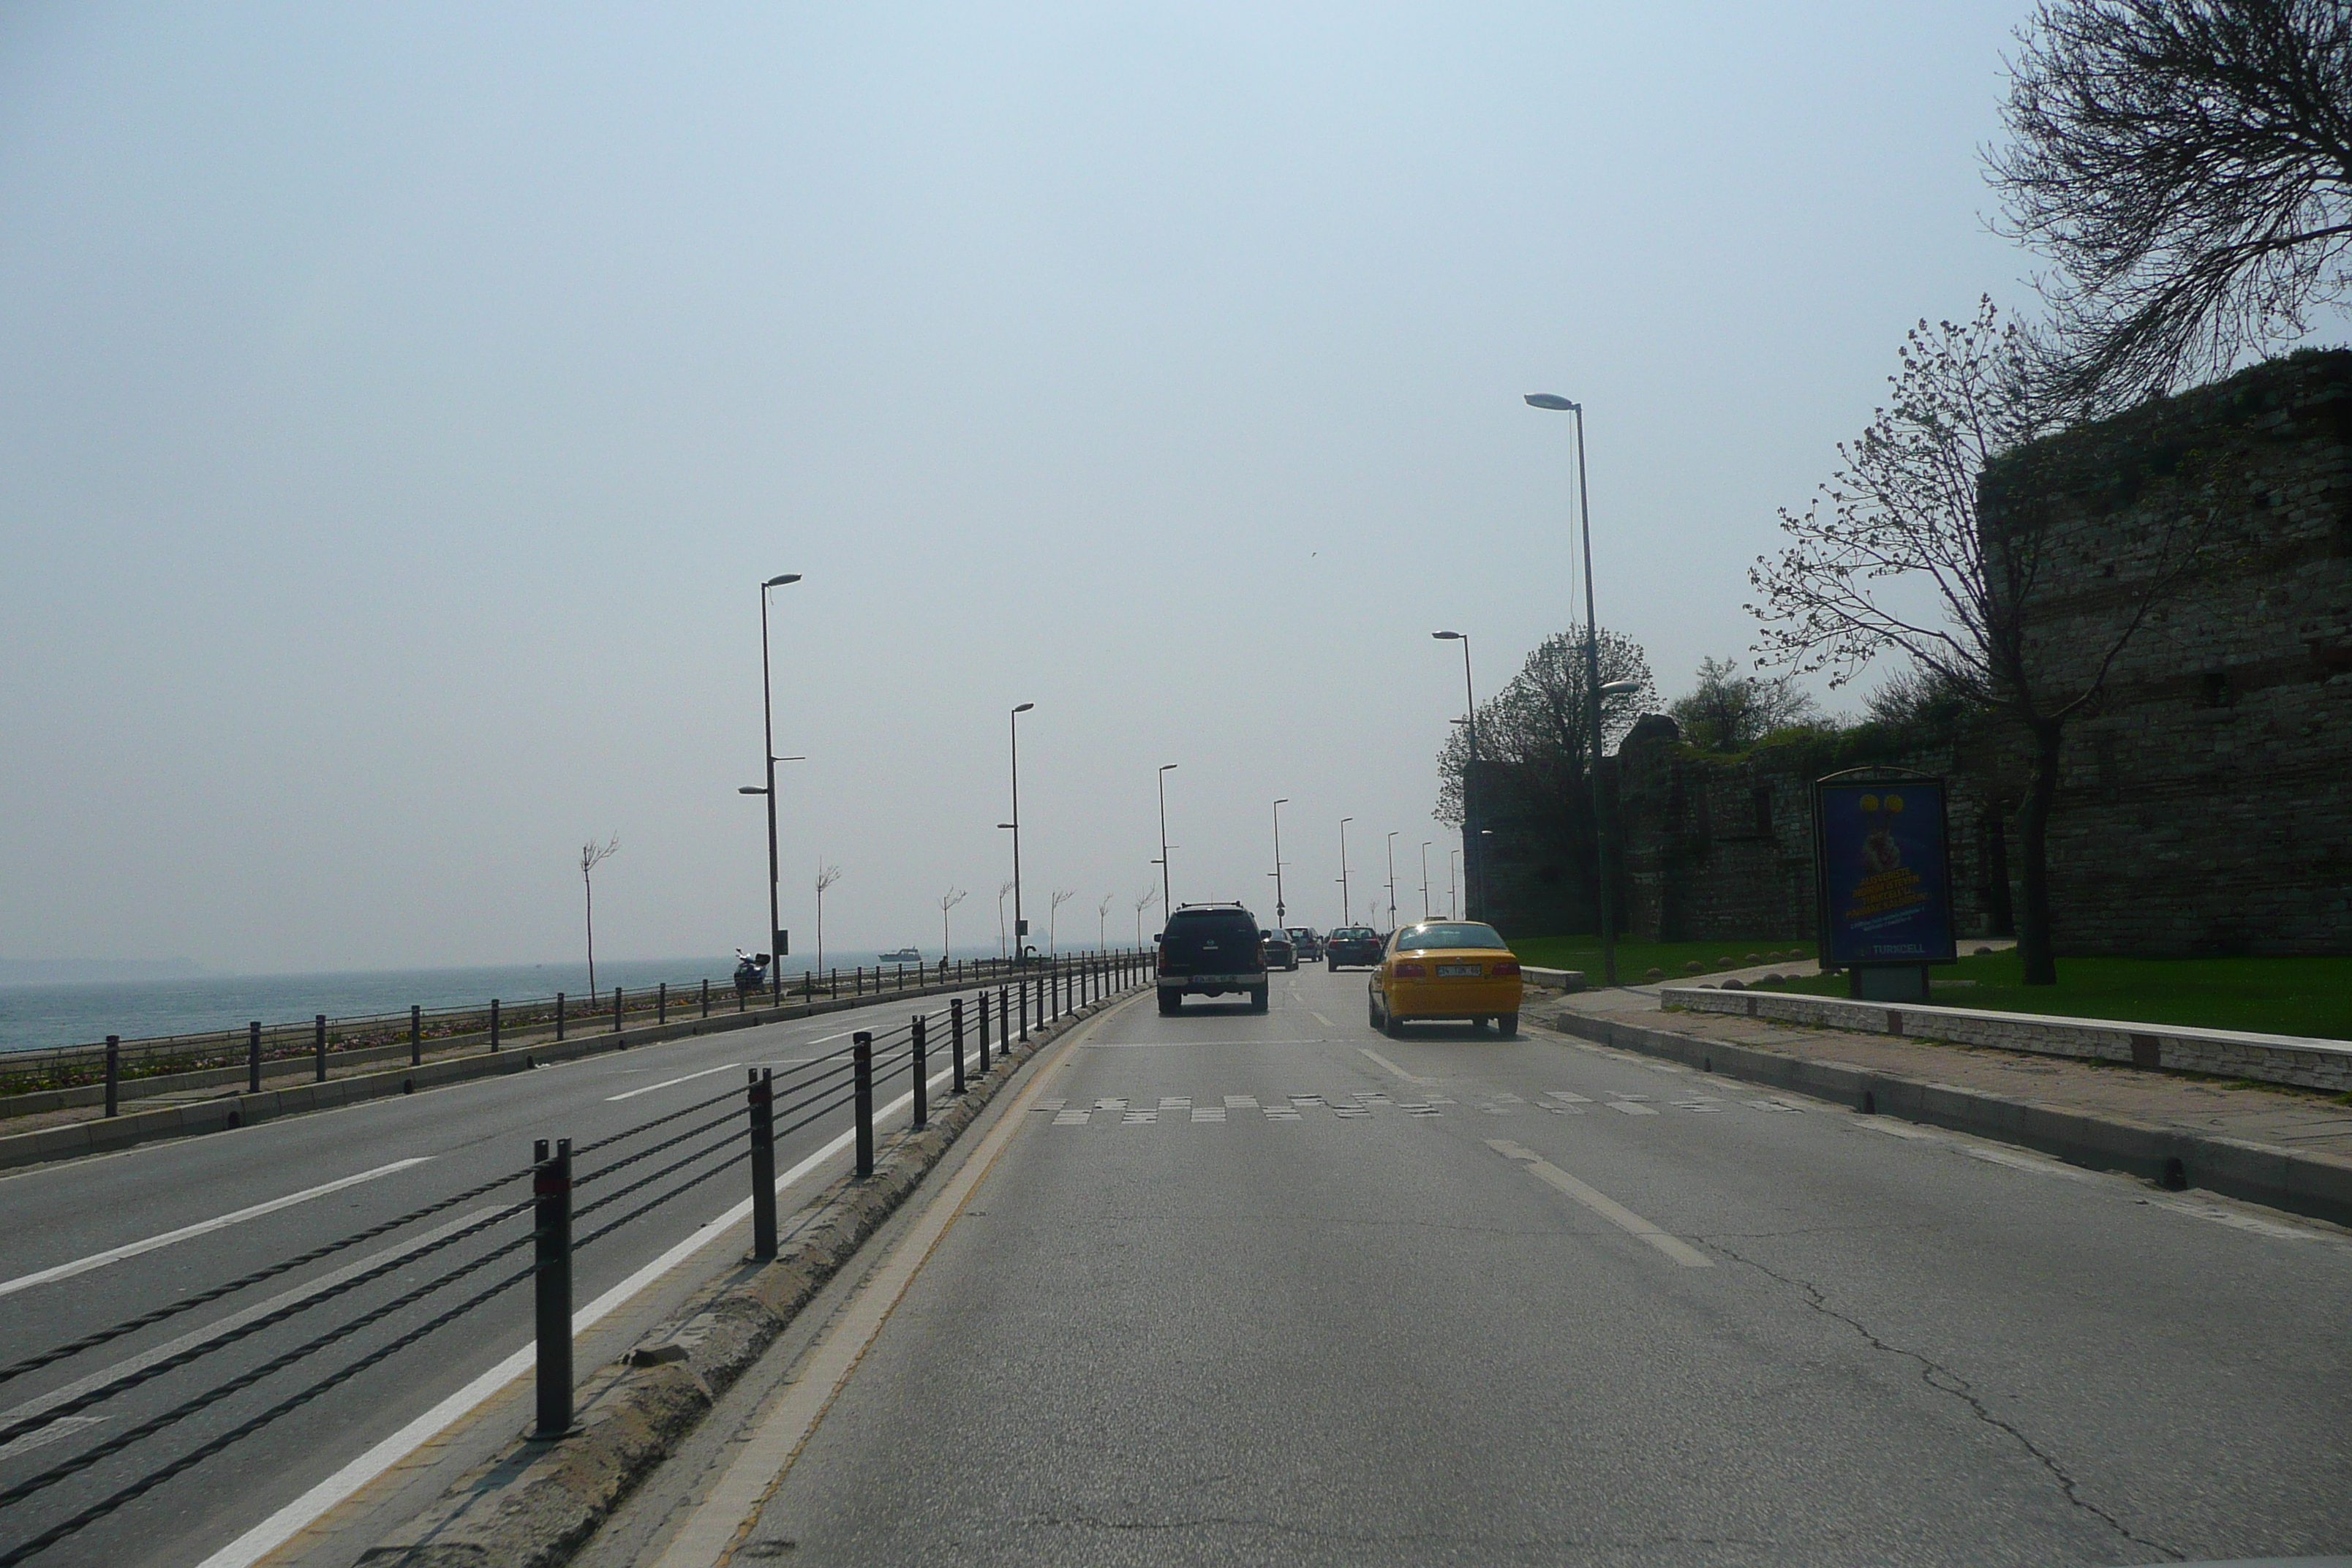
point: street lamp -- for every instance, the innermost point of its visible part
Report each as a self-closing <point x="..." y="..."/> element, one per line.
<point x="1472" y="883"/>
<point x="1279" y="912"/>
<point x="1591" y="680"/>
<point x="1425" y="878"/>
<point x="1164" y="905"/>
<point x="1347" y="914"/>
<point x="768" y="749"/>
<point x="1393" y="839"/>
<point x="1453" y="901"/>
<point x="1020" y="926"/>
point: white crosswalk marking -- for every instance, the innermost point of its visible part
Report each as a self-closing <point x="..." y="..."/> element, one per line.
<point x="1175" y="1102"/>
<point x="1208" y="1113"/>
<point x="1565" y="1097"/>
<point x="1281" y="1112"/>
<point x="1138" y="1119"/>
<point x="1071" y="1118"/>
<point x="1631" y="1108"/>
<point x="1240" y="1103"/>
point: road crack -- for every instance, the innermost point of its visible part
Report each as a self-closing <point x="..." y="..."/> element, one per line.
<point x="1947" y="1382"/>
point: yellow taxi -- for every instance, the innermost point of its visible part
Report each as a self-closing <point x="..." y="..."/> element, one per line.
<point x="1447" y="969"/>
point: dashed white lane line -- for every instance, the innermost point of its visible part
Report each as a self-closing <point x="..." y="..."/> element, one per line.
<point x="202" y="1227"/>
<point x="1321" y="1019"/>
<point x="1393" y="1068"/>
<point x="671" y="1082"/>
<point x="1601" y="1204"/>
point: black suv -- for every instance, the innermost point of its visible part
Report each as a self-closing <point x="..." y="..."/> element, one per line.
<point x="1209" y="950"/>
<point x="1351" y="945"/>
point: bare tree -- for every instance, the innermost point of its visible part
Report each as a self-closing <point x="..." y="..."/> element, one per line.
<point x="1896" y="556"/>
<point x="1728" y="711"/>
<point x="1002" y="890"/>
<point x="1102" y="922"/>
<point x="1143" y="901"/>
<point x="948" y="901"/>
<point x="827" y="876"/>
<point x="1054" y="916"/>
<point x="1540" y="723"/>
<point x="592" y="854"/>
<point x="2186" y="166"/>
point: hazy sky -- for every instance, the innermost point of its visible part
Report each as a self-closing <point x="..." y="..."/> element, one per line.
<point x="402" y="405"/>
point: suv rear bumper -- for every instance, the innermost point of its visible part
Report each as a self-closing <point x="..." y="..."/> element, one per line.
<point x="1212" y="984"/>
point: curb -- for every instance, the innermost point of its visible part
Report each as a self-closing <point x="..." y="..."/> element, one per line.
<point x="535" y="1504"/>
<point x="2315" y="1185"/>
<point x="108" y="1134"/>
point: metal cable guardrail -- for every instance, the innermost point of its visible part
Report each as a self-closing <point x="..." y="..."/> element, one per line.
<point x="378" y="1293"/>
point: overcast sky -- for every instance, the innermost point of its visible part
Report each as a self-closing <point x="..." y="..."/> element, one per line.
<point x="403" y="403"/>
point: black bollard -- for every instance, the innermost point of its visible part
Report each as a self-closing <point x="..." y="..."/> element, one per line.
<point x="550" y="1192"/>
<point x="955" y="1038"/>
<point x="861" y="1050"/>
<point x="763" y="1165"/>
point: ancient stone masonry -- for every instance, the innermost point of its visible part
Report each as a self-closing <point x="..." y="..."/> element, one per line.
<point x="1721" y="847"/>
<point x="2205" y="806"/>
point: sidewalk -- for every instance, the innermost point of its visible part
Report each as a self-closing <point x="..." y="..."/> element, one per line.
<point x="2092" y="1112"/>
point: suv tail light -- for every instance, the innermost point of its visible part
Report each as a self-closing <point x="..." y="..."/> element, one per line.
<point x="1507" y="967"/>
<point x="1413" y="971"/>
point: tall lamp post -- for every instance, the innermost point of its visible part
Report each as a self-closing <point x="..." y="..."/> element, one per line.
<point x="1591" y="684"/>
<point x="1425" y="878"/>
<point x="767" y="751"/>
<point x="1453" y="882"/>
<point x="1347" y="913"/>
<point x="1472" y="884"/>
<point x="1164" y="905"/>
<point x="1020" y="926"/>
<point x="1279" y="912"/>
<point x="1393" y="839"/>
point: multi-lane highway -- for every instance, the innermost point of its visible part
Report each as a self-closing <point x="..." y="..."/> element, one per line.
<point x="1230" y="1289"/>
<point x="94" y="1241"/>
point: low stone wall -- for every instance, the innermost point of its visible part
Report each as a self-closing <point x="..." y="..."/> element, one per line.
<point x="2224" y="1053"/>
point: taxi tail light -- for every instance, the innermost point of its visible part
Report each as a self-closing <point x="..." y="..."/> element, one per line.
<point x="1508" y="966"/>
<point x="1413" y="971"/>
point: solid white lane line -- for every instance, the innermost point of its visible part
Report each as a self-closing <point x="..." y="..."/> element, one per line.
<point x="1601" y="1204"/>
<point x="1393" y="1068"/>
<point x="669" y="1082"/>
<point x="718" y="1524"/>
<point x="313" y="1505"/>
<point x="147" y="1358"/>
<point x="202" y="1227"/>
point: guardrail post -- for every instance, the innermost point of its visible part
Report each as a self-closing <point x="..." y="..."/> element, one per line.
<point x="955" y="1035"/>
<point x="1021" y="985"/>
<point x="550" y="1192"/>
<point x="559" y="1014"/>
<point x="922" y="1057"/>
<point x="319" y="1047"/>
<point x="861" y="1052"/>
<point x="253" y="1055"/>
<point x="494" y="1022"/>
<point x="113" y="1069"/>
<point x="661" y="1003"/>
<point x="415" y="1039"/>
<point x="616" y="1009"/>
<point x="763" y="1165"/>
<point x="983" y="1034"/>
<point x="706" y="996"/>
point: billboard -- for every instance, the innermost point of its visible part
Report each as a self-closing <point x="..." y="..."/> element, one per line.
<point x="1886" y="871"/>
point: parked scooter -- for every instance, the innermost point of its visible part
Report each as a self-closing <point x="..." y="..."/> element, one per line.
<point x="751" y="971"/>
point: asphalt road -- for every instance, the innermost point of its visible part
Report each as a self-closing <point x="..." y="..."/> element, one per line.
<point x="1278" y="1289"/>
<point x="409" y="1151"/>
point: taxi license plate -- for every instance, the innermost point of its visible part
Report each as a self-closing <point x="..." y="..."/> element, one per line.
<point x="1456" y="971"/>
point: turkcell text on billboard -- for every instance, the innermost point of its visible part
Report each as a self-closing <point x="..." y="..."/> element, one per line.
<point x="1884" y="874"/>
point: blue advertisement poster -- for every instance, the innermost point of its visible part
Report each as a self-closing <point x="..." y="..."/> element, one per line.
<point x="1887" y="883"/>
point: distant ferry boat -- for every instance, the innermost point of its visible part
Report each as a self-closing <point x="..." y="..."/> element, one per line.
<point x="904" y="956"/>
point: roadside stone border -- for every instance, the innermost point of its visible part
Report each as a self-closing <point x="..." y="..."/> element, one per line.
<point x="2224" y="1053"/>
<point x="2298" y="1180"/>
<point x="105" y="1135"/>
<point x="537" y="1504"/>
<point x="1552" y="979"/>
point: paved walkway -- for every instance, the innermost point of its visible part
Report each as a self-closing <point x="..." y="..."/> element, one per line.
<point x="2275" y="1115"/>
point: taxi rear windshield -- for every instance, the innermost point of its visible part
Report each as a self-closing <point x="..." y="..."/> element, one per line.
<point x="1450" y="933"/>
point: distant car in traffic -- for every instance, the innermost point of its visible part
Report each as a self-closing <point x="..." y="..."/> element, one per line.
<point x="1209" y="950"/>
<point x="1309" y="941"/>
<point x="1447" y="969"/>
<point x="1281" y="952"/>
<point x="1351" y="945"/>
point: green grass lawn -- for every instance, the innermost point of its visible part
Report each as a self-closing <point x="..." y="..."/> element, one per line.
<point x="2267" y="996"/>
<point x="1636" y="959"/>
